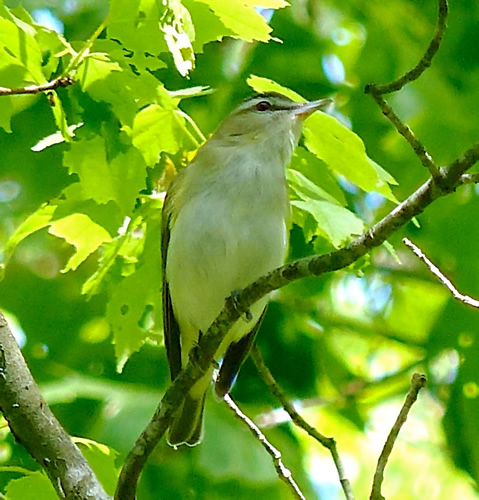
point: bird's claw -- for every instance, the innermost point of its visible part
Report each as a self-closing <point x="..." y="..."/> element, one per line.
<point x="247" y="316"/>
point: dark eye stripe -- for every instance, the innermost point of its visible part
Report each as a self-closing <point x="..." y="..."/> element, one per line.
<point x="264" y="105"/>
<point x="268" y="101"/>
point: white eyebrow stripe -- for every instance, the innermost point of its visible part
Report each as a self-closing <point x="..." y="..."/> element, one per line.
<point x="277" y="101"/>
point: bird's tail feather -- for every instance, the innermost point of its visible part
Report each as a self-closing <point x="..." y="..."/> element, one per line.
<point x="187" y="425"/>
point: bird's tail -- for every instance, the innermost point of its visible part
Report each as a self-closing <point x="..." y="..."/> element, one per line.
<point x="187" y="425"/>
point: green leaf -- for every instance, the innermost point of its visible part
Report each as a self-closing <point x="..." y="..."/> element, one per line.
<point x="52" y="45"/>
<point x="6" y="112"/>
<point x="81" y="232"/>
<point x="208" y="25"/>
<point x="87" y="159"/>
<point x="82" y="223"/>
<point x="34" y="486"/>
<point x="128" y="246"/>
<point x="135" y="294"/>
<point x="38" y="220"/>
<point x="137" y="26"/>
<point x="19" y="46"/>
<point x="156" y="129"/>
<point x="129" y="171"/>
<point x="148" y="28"/>
<point x="305" y="189"/>
<point x="120" y="179"/>
<point x="95" y="67"/>
<point x="316" y="171"/>
<point x="345" y="154"/>
<point x="178" y="31"/>
<point x="261" y="84"/>
<point x="60" y="117"/>
<point x="267" y="4"/>
<point x="243" y="20"/>
<point x="335" y="223"/>
<point x="102" y="460"/>
<point x="106" y="81"/>
<point x="73" y="200"/>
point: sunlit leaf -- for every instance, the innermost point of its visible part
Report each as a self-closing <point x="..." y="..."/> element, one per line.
<point x="19" y="46"/>
<point x="60" y="117"/>
<point x="243" y="20"/>
<point x="345" y="154"/>
<point x="81" y="232"/>
<point x="156" y="129"/>
<point x="148" y="28"/>
<point x="212" y="28"/>
<point x="135" y="295"/>
<point x="38" y="220"/>
<point x="179" y="32"/>
<point x="33" y="486"/>
<point x="102" y="460"/>
<point x="95" y="67"/>
<point x="120" y="179"/>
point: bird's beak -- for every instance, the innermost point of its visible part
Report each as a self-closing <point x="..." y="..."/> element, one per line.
<point x="305" y="109"/>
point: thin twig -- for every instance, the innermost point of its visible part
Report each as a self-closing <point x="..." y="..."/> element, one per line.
<point x="425" y="61"/>
<point x="465" y="299"/>
<point x="62" y="81"/>
<point x="417" y="383"/>
<point x="78" y="58"/>
<point x="459" y="166"/>
<point x="299" y="421"/>
<point x="283" y="473"/>
<point x="377" y="92"/>
<point x="353" y="389"/>
<point x="408" y="134"/>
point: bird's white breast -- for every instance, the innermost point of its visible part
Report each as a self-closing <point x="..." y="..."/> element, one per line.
<point x="225" y="236"/>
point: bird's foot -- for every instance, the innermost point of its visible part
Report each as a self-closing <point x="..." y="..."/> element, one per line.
<point x="247" y="316"/>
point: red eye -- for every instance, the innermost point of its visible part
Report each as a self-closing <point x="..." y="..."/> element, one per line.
<point x="263" y="106"/>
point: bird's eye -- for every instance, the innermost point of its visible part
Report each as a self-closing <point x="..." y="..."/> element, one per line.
<point x="263" y="106"/>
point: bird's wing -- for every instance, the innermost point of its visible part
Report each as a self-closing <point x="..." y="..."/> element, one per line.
<point x="235" y="356"/>
<point x="170" y="325"/>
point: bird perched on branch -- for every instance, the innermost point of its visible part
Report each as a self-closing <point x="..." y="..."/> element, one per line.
<point x="225" y="224"/>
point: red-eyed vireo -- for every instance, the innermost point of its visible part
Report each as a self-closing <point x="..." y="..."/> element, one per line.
<point x="225" y="224"/>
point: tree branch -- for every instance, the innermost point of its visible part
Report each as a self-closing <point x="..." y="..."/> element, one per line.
<point x="62" y="81"/>
<point x="470" y="178"/>
<point x="283" y="473"/>
<point x="417" y="383"/>
<point x="299" y="421"/>
<point x="458" y="167"/>
<point x="465" y="299"/>
<point x="36" y="428"/>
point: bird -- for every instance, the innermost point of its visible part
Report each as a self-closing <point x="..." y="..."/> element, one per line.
<point x="225" y="223"/>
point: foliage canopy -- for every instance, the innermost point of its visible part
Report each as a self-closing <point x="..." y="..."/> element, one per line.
<point x="82" y="174"/>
